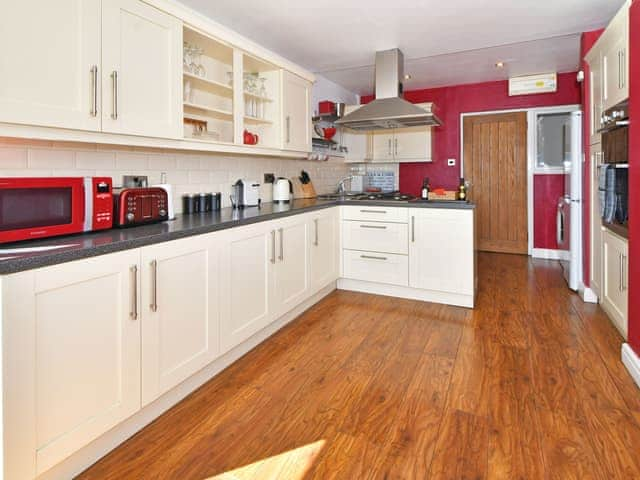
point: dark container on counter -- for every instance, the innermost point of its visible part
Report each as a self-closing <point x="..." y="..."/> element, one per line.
<point x="188" y="203"/>
<point x="208" y="202"/>
<point x="201" y="202"/>
<point x="217" y="200"/>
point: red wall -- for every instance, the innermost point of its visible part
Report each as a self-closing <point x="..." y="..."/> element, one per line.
<point x="481" y="97"/>
<point x="586" y="42"/>
<point x="634" y="176"/>
<point x="547" y="190"/>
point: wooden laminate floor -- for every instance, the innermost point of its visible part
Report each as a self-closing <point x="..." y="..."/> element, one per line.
<point x="528" y="385"/>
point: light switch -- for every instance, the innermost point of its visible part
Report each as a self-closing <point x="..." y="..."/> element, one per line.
<point x="451" y="162"/>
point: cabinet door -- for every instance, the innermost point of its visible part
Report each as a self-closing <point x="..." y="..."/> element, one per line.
<point x="50" y="62"/>
<point x="296" y="116"/>
<point x="595" y="75"/>
<point x="74" y="371"/>
<point x="441" y="255"/>
<point x="357" y="145"/>
<point x="615" y="262"/>
<point x="412" y="144"/>
<point x="141" y="74"/>
<point x="246" y="255"/>
<point x="323" y="255"/>
<point x="382" y="143"/>
<point x="595" y="224"/>
<point x="616" y="59"/>
<point x="180" y="312"/>
<point x="290" y="280"/>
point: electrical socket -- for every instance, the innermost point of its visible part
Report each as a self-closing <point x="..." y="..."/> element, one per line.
<point x="451" y="162"/>
<point x="269" y="178"/>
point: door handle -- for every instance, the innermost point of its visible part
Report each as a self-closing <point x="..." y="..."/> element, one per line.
<point x="413" y="228"/>
<point x="273" y="246"/>
<point x="133" y="301"/>
<point x="281" y="256"/>
<point x="94" y="91"/>
<point x="559" y="225"/>
<point x="154" y="286"/>
<point x="114" y="80"/>
<point x="316" y="240"/>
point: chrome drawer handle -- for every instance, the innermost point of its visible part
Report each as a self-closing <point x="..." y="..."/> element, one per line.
<point x="133" y="312"/>
<point x="373" y="211"/>
<point x="281" y="256"/>
<point x="378" y="227"/>
<point x="372" y="257"/>
<point x="114" y="78"/>
<point x="154" y="286"/>
<point x="316" y="240"/>
<point x="273" y="246"/>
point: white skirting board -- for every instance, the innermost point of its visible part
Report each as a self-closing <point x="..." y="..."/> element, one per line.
<point x="632" y="362"/>
<point x="85" y="457"/>
<point x="587" y="295"/>
<point x="550" y="254"/>
<point x="406" y="292"/>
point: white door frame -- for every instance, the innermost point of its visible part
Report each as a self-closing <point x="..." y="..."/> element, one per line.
<point x="532" y="142"/>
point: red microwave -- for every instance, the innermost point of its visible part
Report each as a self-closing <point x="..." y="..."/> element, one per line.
<point x="45" y="207"/>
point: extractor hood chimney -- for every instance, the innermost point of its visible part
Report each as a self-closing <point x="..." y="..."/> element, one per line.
<point x="389" y="109"/>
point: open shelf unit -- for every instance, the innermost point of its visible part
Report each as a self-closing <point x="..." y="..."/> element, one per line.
<point x="261" y="100"/>
<point x="207" y="88"/>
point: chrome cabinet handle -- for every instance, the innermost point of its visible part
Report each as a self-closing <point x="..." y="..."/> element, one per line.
<point x="623" y="65"/>
<point x="619" y="69"/>
<point x="94" y="91"/>
<point x="373" y="257"/>
<point x="114" y="80"/>
<point x="619" y="272"/>
<point x="624" y="272"/>
<point x="273" y="246"/>
<point x="133" y="311"/>
<point x="154" y="286"/>
<point x="389" y="147"/>
<point x="316" y="240"/>
<point x="413" y="228"/>
<point x="373" y="211"/>
<point x="281" y="256"/>
<point x="378" y="227"/>
<point x="396" y="147"/>
<point x="288" y="129"/>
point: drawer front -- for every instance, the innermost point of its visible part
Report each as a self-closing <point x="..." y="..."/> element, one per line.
<point x="376" y="267"/>
<point x="375" y="214"/>
<point x="376" y="236"/>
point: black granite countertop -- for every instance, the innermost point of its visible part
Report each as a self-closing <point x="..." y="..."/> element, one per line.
<point x="56" y="250"/>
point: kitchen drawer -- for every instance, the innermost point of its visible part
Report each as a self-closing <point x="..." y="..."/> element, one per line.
<point x="376" y="214"/>
<point x="376" y="267"/>
<point x="376" y="236"/>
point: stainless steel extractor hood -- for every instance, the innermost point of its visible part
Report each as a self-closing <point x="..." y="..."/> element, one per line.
<point x="389" y="109"/>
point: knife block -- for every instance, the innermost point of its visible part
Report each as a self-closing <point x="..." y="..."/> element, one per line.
<point x="302" y="190"/>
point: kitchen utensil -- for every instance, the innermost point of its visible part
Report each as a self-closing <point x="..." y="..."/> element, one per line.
<point x="339" y="109"/>
<point x="329" y="132"/>
<point x="282" y="190"/>
<point x="188" y="202"/>
<point x="250" y="138"/>
<point x="138" y="206"/>
<point x="326" y="107"/>
<point x="246" y="193"/>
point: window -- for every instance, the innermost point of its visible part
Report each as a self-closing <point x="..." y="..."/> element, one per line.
<point x="553" y="133"/>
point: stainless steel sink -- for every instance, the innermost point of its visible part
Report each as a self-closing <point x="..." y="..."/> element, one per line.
<point x="337" y="196"/>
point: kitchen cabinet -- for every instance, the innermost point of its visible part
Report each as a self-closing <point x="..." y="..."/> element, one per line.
<point x="356" y="142"/>
<point x="411" y="144"/>
<point x="323" y="250"/>
<point x="382" y="142"/>
<point x="595" y="95"/>
<point x="72" y="342"/>
<point x="296" y="113"/>
<point x="289" y="264"/>
<point x="441" y="250"/>
<point x="615" y="263"/>
<point x="141" y="70"/>
<point x="180" y="311"/>
<point x="50" y="63"/>
<point x="614" y="47"/>
<point x="246" y="254"/>
<point x="595" y="223"/>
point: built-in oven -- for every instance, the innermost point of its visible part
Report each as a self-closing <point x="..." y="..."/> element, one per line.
<point x="614" y="172"/>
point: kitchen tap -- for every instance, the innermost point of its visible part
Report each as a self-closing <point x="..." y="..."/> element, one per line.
<point x="340" y="187"/>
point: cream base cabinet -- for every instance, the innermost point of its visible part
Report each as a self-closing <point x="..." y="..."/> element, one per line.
<point x="595" y="224"/>
<point x="296" y="113"/>
<point x="615" y="293"/>
<point x="441" y="250"/>
<point x="324" y="249"/>
<point x="180" y="311"/>
<point x="71" y="345"/>
<point x="49" y="63"/>
<point x="290" y="271"/>
<point x="246" y="255"/>
<point x="142" y="68"/>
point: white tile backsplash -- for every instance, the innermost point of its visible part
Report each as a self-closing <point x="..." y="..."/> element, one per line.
<point x="187" y="172"/>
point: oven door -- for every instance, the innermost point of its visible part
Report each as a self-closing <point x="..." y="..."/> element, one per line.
<point x="40" y="207"/>
<point x="615" y="145"/>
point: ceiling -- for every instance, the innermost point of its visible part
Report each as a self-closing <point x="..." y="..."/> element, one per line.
<point x="444" y="42"/>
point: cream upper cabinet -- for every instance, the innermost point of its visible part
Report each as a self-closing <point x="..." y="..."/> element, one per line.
<point x="72" y="332"/>
<point x="356" y="142"/>
<point x="142" y="68"/>
<point x="180" y="311"/>
<point x="382" y="142"/>
<point x="412" y="144"/>
<point x="595" y="90"/>
<point x="296" y="113"/>
<point x="615" y="290"/>
<point x="323" y="252"/>
<point x="290" y="271"/>
<point x="615" y="59"/>
<point x="50" y="63"/>
<point x="246" y="256"/>
<point x="441" y="250"/>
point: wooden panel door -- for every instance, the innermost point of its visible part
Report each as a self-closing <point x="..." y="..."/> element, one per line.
<point x="323" y="255"/>
<point x="75" y="343"/>
<point x="49" y="63"/>
<point x="246" y="257"/>
<point x="495" y="162"/>
<point x="296" y="113"/>
<point x="142" y="66"/>
<point x="180" y="312"/>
